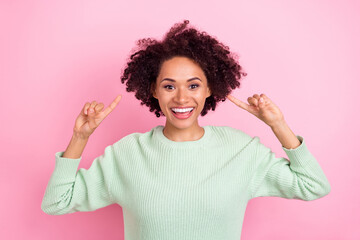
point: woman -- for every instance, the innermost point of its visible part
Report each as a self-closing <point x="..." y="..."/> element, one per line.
<point x="181" y="180"/>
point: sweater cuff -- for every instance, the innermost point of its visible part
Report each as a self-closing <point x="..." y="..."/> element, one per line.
<point x="300" y="154"/>
<point x="66" y="167"/>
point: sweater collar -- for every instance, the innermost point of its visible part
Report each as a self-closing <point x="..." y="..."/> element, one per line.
<point x="159" y="135"/>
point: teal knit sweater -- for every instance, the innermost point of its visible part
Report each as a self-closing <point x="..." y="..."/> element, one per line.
<point x="183" y="190"/>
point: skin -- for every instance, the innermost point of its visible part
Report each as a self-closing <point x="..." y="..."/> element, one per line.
<point x="89" y="118"/>
<point x="179" y="93"/>
<point x="265" y="109"/>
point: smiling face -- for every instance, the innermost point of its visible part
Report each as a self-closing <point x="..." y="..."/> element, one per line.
<point x="181" y="83"/>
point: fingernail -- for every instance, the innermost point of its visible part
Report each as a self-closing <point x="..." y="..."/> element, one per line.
<point x="261" y="99"/>
<point x="91" y="110"/>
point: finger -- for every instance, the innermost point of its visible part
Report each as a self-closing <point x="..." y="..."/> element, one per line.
<point x="86" y="107"/>
<point x="266" y="98"/>
<point x="253" y="101"/>
<point x="256" y="96"/>
<point x="91" y="108"/>
<point x="238" y="102"/>
<point x="261" y="102"/>
<point x="99" y="107"/>
<point x="93" y="104"/>
<point x="112" y="106"/>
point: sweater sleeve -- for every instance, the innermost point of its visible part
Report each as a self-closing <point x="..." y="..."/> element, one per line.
<point x="69" y="190"/>
<point x="300" y="178"/>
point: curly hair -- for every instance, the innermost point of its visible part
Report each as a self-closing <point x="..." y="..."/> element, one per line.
<point x="221" y="69"/>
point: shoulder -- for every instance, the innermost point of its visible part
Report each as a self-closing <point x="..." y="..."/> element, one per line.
<point x="231" y="132"/>
<point x="135" y="139"/>
<point x="232" y="135"/>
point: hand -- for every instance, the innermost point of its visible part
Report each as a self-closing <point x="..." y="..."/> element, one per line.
<point x="265" y="110"/>
<point x="91" y="116"/>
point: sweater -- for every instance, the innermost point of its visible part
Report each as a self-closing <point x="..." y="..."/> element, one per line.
<point x="183" y="190"/>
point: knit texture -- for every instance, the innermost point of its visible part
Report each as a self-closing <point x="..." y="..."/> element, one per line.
<point x="183" y="190"/>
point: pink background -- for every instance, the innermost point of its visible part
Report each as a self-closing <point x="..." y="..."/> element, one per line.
<point x="56" y="55"/>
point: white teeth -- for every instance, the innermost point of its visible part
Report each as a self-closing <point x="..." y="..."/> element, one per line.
<point x="182" y="109"/>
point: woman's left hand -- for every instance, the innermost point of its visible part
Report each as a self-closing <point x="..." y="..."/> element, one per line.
<point x="262" y="107"/>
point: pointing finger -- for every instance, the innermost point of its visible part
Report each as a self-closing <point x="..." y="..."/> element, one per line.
<point x="238" y="102"/>
<point x="112" y="106"/>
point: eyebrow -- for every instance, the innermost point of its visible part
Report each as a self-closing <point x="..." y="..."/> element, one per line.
<point x="172" y="80"/>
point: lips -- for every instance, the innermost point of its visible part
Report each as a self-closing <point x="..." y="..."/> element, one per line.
<point x="183" y="115"/>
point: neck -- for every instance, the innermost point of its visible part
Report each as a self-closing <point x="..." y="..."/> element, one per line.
<point x="192" y="133"/>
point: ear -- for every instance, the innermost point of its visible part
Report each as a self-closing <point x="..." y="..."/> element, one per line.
<point x="208" y="92"/>
<point x="153" y="92"/>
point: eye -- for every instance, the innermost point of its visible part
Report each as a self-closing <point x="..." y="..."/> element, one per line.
<point x="196" y="85"/>
<point x="192" y="86"/>
<point x="166" y="86"/>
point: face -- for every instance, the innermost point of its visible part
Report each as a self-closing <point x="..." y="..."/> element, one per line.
<point x="181" y="83"/>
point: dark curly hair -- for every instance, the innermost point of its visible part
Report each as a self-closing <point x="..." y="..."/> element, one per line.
<point x="221" y="69"/>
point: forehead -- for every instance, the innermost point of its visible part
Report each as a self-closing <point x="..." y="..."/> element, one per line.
<point x="180" y="67"/>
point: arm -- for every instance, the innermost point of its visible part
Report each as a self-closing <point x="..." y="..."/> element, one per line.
<point x="286" y="137"/>
<point x="70" y="190"/>
<point x="301" y="178"/>
<point x="76" y="146"/>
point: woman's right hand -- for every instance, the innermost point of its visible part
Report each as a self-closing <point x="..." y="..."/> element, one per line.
<point x="91" y="116"/>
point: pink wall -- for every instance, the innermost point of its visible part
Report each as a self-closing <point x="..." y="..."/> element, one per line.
<point x="56" y="55"/>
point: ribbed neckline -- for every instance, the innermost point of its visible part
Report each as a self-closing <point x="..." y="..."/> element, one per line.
<point x="159" y="135"/>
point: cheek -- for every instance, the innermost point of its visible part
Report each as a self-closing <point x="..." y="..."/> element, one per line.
<point x="201" y="95"/>
<point x="163" y="101"/>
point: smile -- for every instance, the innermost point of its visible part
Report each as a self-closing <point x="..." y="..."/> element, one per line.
<point x="183" y="113"/>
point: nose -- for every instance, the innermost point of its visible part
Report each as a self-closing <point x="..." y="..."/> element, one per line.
<point x="181" y="95"/>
